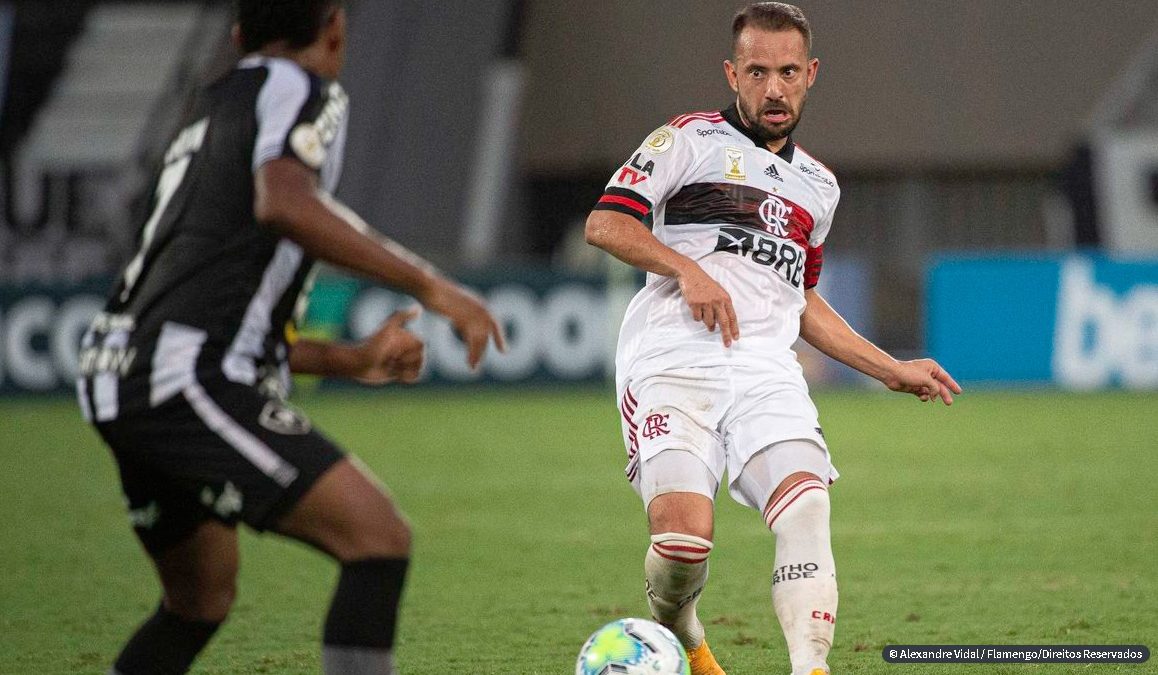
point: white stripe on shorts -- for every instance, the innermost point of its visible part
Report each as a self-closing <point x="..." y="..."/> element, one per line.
<point x="258" y="453"/>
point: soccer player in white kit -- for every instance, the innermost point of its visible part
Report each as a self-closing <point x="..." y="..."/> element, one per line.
<point x="728" y="216"/>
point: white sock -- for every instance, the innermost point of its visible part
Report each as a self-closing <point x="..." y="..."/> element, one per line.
<point x="676" y="567"/>
<point x="804" y="580"/>
<point x="356" y="661"/>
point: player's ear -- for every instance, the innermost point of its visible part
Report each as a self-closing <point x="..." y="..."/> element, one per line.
<point x="335" y="32"/>
<point x="730" y="73"/>
<point x="235" y="37"/>
<point x="813" y="66"/>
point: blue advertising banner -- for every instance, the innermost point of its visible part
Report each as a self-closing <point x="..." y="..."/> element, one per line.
<point x="1078" y="321"/>
<point x="560" y="327"/>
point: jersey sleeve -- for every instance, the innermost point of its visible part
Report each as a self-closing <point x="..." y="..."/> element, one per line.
<point x="653" y="173"/>
<point x="814" y="256"/>
<point x="302" y="117"/>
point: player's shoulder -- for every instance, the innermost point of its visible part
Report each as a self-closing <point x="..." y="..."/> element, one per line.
<point x="687" y="129"/>
<point x="280" y="76"/>
<point x="705" y="124"/>
<point x="813" y="168"/>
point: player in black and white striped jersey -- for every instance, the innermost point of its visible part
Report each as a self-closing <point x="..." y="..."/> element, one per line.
<point x="184" y="373"/>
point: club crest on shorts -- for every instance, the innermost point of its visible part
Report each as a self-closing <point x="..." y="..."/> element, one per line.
<point x="281" y="418"/>
<point x="655" y="425"/>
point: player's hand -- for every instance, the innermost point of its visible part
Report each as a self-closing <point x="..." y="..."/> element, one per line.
<point x="472" y="322"/>
<point x="392" y="353"/>
<point x="709" y="303"/>
<point x="925" y="379"/>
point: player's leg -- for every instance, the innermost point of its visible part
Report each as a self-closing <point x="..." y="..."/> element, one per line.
<point x="194" y="555"/>
<point x="675" y="459"/>
<point x="347" y="514"/>
<point x="676" y="562"/>
<point x="198" y="578"/>
<point x="786" y="478"/>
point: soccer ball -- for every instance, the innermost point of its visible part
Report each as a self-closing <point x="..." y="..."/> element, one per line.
<point x="632" y="647"/>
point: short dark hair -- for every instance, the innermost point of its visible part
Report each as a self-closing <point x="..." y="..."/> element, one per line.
<point x="297" y="22"/>
<point x="772" y="16"/>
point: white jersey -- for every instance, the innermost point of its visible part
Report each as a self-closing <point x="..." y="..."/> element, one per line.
<point x="754" y="220"/>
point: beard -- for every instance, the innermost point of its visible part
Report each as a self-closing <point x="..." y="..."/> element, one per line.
<point x="767" y="132"/>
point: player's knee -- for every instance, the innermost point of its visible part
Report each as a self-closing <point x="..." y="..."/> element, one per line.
<point x="382" y="533"/>
<point x="683" y="513"/>
<point x="202" y="600"/>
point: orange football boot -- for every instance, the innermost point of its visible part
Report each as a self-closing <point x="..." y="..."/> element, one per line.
<point x="702" y="661"/>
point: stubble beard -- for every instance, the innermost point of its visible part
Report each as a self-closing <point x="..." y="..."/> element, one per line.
<point x="771" y="133"/>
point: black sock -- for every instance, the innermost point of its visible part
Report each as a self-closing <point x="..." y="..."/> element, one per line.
<point x="166" y="644"/>
<point x="364" y="610"/>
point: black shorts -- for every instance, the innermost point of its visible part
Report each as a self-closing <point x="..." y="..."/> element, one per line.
<point x="220" y="451"/>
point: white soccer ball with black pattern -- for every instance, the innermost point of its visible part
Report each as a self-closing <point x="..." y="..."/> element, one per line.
<point x="632" y="647"/>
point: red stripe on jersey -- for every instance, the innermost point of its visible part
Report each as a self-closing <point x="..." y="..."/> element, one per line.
<point x="814" y="260"/>
<point x="688" y="119"/>
<point x="693" y="115"/>
<point x="630" y="397"/>
<point x="629" y="203"/>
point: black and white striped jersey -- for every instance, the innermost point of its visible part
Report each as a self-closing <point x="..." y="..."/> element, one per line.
<point x="210" y="293"/>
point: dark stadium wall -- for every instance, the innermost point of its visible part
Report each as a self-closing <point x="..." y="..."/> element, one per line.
<point x="902" y="83"/>
<point x="414" y="74"/>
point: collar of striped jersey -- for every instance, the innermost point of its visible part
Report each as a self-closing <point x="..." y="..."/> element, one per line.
<point x="732" y="116"/>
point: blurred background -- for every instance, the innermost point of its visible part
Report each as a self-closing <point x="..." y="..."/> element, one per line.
<point x="998" y="164"/>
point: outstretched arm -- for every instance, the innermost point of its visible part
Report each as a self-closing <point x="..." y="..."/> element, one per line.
<point x="289" y="201"/>
<point x="629" y="240"/>
<point x="391" y="354"/>
<point x="826" y="330"/>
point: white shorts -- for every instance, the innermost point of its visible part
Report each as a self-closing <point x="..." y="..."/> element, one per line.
<point x="723" y="417"/>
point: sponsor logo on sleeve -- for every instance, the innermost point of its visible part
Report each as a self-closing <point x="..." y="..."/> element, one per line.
<point x="814" y="172"/>
<point x="734" y="164"/>
<point x="306" y="142"/>
<point x="636" y="170"/>
<point x="703" y="133"/>
<point x="660" y="141"/>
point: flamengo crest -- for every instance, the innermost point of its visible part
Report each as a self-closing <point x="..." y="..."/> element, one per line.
<point x="655" y="425"/>
<point x="774" y="212"/>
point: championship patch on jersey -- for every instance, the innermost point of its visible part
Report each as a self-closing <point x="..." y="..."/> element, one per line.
<point x="306" y="142"/>
<point x="734" y="164"/>
<point x="660" y="141"/>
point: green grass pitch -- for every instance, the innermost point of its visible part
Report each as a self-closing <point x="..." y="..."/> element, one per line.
<point x="1010" y="518"/>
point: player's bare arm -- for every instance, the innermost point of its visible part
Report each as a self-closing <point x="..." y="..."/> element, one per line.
<point x="629" y="240"/>
<point x="288" y="199"/>
<point x="391" y="354"/>
<point x="822" y="327"/>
